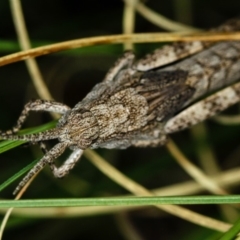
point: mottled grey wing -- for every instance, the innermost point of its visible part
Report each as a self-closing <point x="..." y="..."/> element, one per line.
<point x="165" y="92"/>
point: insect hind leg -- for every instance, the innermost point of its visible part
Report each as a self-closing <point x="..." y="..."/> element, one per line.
<point x="204" y="109"/>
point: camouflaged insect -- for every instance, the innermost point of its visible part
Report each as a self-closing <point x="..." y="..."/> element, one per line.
<point x="140" y="103"/>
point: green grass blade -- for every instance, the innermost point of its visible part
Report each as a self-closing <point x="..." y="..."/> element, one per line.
<point x="232" y="232"/>
<point x="120" y="201"/>
<point x="9" y="144"/>
<point x="17" y="175"/>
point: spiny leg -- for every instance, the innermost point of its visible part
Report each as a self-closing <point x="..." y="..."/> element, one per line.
<point x="63" y="170"/>
<point x="34" y="137"/>
<point x="43" y="147"/>
<point x="41" y="144"/>
<point x="125" y="61"/>
<point x="37" y="105"/>
<point x="168" y="54"/>
<point x="151" y="142"/>
<point x="204" y="109"/>
<point x="172" y="52"/>
<point x="48" y="158"/>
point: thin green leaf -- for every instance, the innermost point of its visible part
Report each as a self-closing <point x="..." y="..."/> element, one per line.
<point x="17" y="175"/>
<point x="9" y="144"/>
<point x="120" y="201"/>
<point x="232" y="232"/>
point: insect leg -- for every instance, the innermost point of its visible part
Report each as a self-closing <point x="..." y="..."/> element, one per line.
<point x="168" y="54"/>
<point x="152" y="138"/>
<point x="43" y="147"/>
<point x="63" y="170"/>
<point x="204" y="109"/>
<point x="173" y="52"/>
<point x="123" y="62"/>
<point x="157" y="142"/>
<point x="41" y="144"/>
<point x="37" y="105"/>
<point x="48" y="158"/>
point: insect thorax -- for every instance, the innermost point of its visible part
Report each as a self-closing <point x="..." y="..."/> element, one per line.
<point x="121" y="114"/>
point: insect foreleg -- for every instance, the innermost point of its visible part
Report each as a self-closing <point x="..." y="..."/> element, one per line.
<point x="37" y="105"/>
